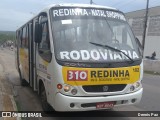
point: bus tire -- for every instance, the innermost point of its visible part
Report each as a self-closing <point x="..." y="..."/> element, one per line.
<point x="22" y="80"/>
<point x="45" y="106"/>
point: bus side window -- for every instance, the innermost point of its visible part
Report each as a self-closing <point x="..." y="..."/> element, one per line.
<point x="44" y="45"/>
<point x="24" y="40"/>
<point x="19" y="42"/>
<point x="27" y="36"/>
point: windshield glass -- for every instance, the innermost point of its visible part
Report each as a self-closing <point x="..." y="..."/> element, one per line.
<point x="74" y="29"/>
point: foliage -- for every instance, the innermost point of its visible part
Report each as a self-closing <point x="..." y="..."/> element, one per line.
<point x="7" y="35"/>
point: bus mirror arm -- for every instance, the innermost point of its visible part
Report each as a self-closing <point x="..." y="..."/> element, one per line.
<point x="139" y="43"/>
<point x="140" y="46"/>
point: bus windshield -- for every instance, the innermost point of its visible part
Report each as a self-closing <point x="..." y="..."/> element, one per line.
<point x="74" y="29"/>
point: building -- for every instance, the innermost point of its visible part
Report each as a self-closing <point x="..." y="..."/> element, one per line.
<point x="136" y="21"/>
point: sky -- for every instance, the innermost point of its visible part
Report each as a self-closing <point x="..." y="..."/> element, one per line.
<point x="14" y="13"/>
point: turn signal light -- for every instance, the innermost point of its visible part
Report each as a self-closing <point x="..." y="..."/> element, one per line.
<point x="59" y="86"/>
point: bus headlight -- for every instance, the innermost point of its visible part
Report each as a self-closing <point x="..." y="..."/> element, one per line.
<point x="134" y="87"/>
<point x="137" y="84"/>
<point x="74" y="91"/>
<point x="67" y="88"/>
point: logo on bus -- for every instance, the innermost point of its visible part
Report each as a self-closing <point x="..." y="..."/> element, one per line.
<point x="105" y="88"/>
<point x="77" y="75"/>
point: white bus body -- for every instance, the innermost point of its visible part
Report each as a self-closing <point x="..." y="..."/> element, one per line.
<point x="80" y="57"/>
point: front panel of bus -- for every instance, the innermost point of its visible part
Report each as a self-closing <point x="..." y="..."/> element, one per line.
<point x="95" y="55"/>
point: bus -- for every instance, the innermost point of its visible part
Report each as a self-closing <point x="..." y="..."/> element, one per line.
<point x="80" y="57"/>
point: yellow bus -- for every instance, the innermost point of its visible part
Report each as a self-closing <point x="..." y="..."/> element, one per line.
<point x="80" y="57"/>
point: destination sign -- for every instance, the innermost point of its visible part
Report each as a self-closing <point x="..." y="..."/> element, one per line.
<point x="88" y="12"/>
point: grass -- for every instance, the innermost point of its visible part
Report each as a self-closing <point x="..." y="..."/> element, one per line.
<point x="19" y="108"/>
<point x="18" y="105"/>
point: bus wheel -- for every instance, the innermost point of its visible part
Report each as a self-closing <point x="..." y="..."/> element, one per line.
<point x="43" y="96"/>
<point x="22" y="81"/>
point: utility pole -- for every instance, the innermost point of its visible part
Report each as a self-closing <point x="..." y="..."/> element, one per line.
<point x="145" y="26"/>
<point x="91" y="2"/>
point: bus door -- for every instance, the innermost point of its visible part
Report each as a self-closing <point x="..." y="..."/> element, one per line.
<point x="31" y="65"/>
<point x="42" y="49"/>
<point x="33" y="58"/>
<point x="24" y="55"/>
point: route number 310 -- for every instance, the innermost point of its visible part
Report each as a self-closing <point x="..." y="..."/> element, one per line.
<point x="74" y="75"/>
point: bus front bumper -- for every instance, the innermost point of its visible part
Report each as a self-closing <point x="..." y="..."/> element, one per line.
<point x="69" y="103"/>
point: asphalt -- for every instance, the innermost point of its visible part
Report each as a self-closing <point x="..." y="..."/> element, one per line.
<point x="7" y="102"/>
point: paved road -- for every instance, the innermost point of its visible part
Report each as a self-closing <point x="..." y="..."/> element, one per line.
<point x="27" y="100"/>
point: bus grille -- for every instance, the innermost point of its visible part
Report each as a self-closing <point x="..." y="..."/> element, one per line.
<point x="104" y="88"/>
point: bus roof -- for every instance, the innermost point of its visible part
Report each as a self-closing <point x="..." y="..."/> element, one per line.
<point x="79" y="5"/>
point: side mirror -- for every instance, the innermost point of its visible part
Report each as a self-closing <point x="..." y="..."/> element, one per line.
<point x="43" y="20"/>
<point x="38" y="30"/>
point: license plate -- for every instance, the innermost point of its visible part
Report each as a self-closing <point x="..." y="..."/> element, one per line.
<point x="105" y="105"/>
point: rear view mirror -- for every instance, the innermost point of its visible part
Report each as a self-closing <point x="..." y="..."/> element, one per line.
<point x="38" y="30"/>
<point x="43" y="20"/>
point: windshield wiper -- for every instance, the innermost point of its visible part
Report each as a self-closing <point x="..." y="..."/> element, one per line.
<point x="113" y="49"/>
